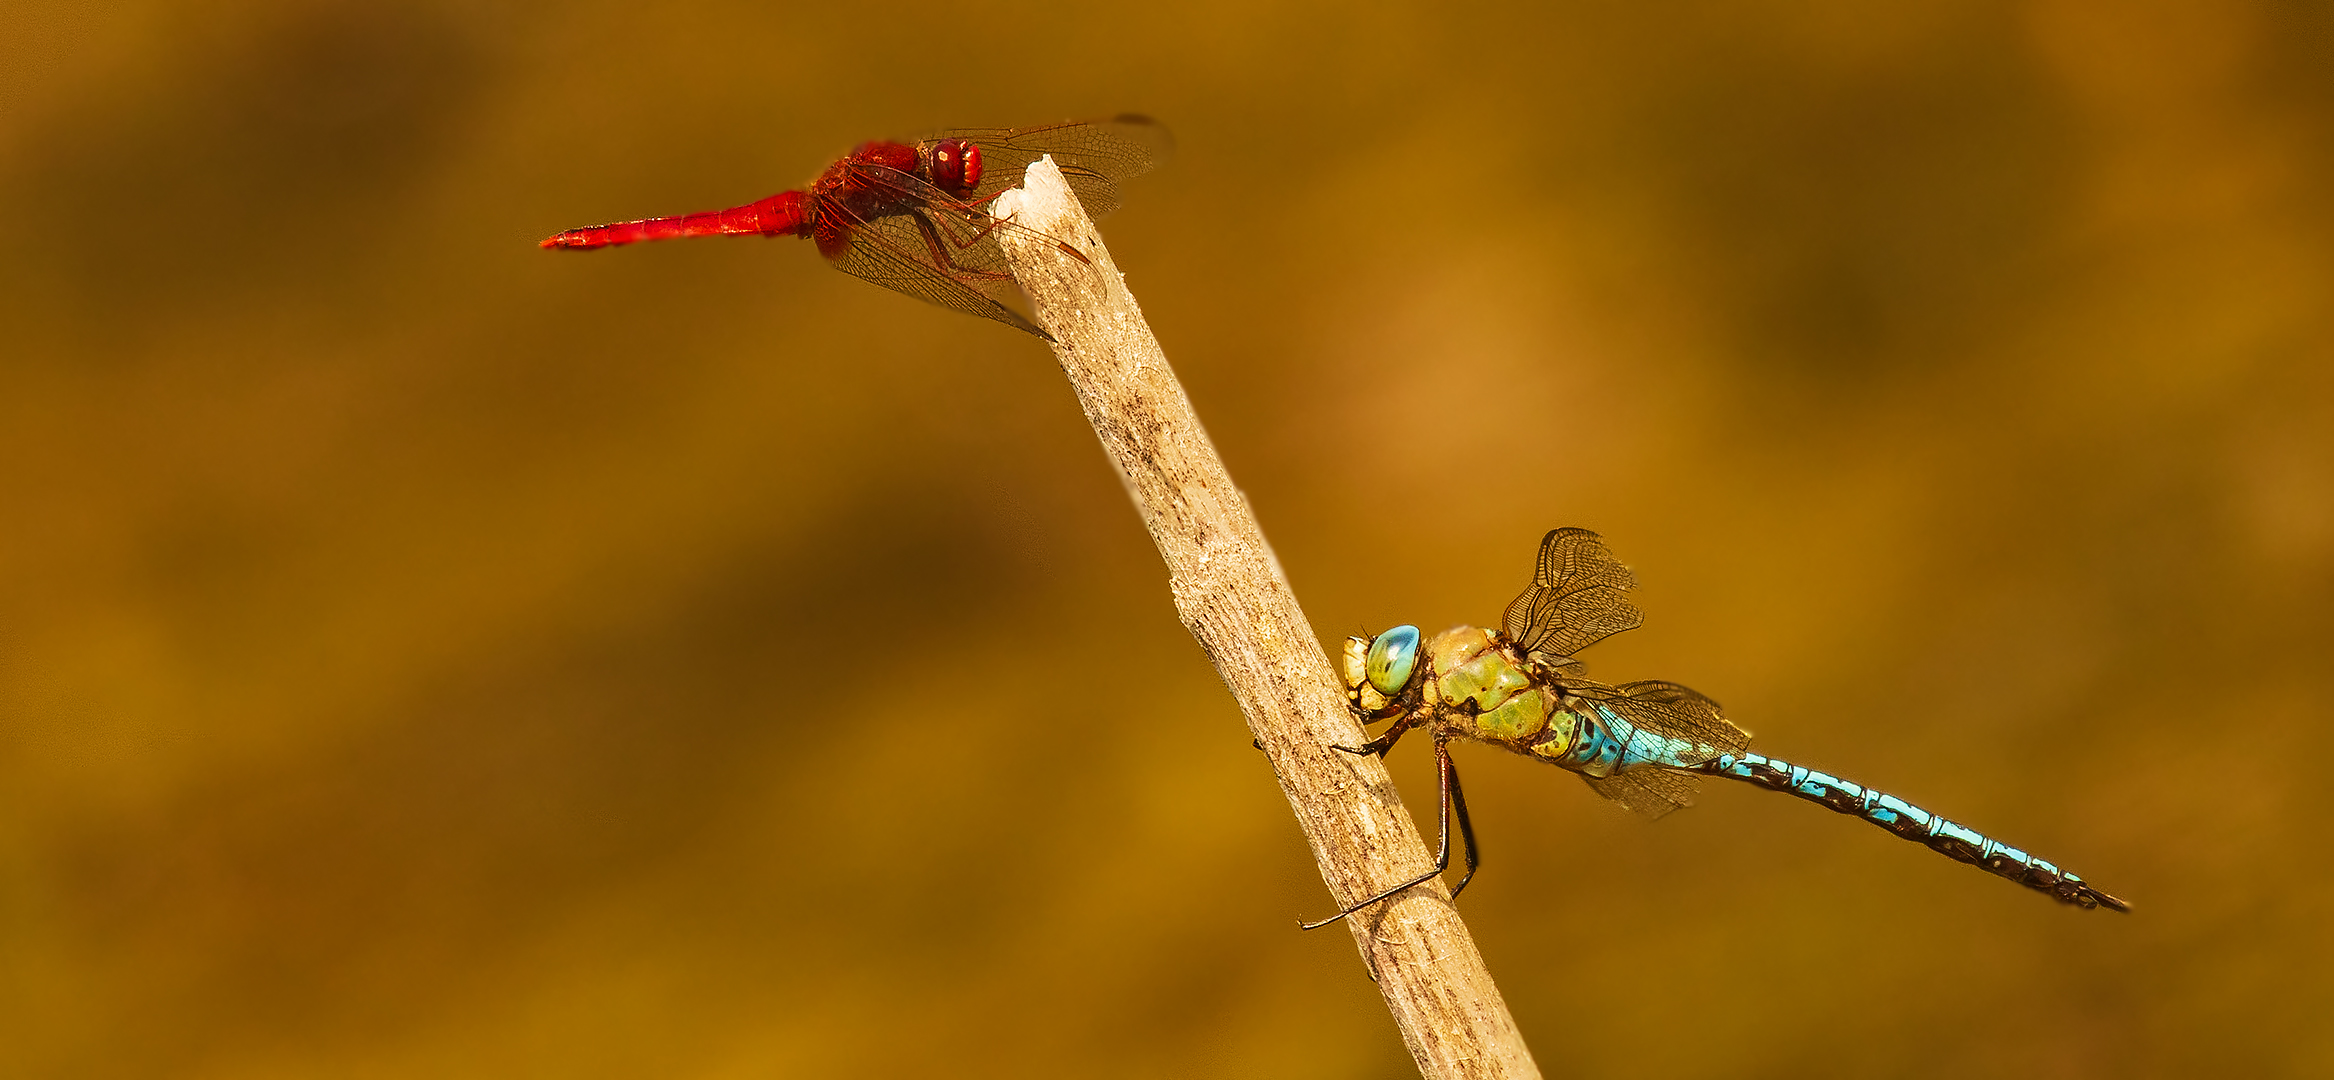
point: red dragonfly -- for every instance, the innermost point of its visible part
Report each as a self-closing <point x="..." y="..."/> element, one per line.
<point x="913" y="217"/>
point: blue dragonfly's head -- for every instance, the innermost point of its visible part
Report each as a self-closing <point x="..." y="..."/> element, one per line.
<point x="1378" y="669"/>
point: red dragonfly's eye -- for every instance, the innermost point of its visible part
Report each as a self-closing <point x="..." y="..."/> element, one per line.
<point x="972" y="167"/>
<point x="956" y="166"/>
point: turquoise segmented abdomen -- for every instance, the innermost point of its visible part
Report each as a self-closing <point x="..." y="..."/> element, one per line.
<point x="1949" y="838"/>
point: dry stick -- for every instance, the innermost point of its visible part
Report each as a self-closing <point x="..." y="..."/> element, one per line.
<point x="1230" y="592"/>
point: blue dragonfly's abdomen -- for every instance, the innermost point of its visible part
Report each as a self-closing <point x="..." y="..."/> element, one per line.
<point x="1949" y="838"/>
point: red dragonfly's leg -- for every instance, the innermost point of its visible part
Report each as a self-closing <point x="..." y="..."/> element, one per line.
<point x="938" y="245"/>
<point x="934" y="239"/>
<point x="981" y="207"/>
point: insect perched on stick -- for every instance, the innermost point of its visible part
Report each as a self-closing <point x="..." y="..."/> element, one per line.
<point x="913" y="217"/>
<point x="1645" y="745"/>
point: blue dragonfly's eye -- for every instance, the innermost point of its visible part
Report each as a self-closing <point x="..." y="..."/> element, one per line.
<point x="1393" y="656"/>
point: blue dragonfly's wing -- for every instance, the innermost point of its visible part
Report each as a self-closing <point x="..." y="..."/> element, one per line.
<point x="1676" y="728"/>
<point x="1578" y="597"/>
<point x="1679" y="712"/>
<point x="1650" y="793"/>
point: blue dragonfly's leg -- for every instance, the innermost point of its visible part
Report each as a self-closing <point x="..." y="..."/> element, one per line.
<point x="1949" y="838"/>
<point x="1453" y="803"/>
<point x="1385" y="742"/>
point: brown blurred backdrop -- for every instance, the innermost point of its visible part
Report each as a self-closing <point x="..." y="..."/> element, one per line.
<point x="423" y="655"/>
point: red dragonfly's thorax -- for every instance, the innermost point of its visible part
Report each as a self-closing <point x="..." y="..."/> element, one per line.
<point x="890" y="155"/>
<point x="863" y="185"/>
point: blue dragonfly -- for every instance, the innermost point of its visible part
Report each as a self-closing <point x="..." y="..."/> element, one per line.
<point x="1645" y="745"/>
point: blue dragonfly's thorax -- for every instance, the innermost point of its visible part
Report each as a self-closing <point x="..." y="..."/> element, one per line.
<point x="1471" y="683"/>
<point x="1466" y="683"/>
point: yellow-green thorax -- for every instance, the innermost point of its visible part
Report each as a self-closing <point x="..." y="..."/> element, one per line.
<point x="1469" y="683"/>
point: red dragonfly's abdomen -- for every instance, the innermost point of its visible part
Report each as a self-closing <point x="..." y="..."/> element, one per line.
<point x="779" y="215"/>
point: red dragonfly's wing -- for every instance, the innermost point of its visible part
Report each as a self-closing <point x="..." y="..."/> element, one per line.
<point x="933" y="248"/>
<point x="941" y="248"/>
<point x="1093" y="155"/>
<point x="891" y="252"/>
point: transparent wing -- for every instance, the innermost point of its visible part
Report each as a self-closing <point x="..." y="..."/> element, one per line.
<point x="891" y="252"/>
<point x="1651" y="792"/>
<point x="1672" y="711"/>
<point x="1665" y="708"/>
<point x="1094" y="155"/>
<point x="935" y="249"/>
<point x="908" y="236"/>
<point x="1577" y="596"/>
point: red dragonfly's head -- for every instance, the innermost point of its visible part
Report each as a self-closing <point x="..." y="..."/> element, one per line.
<point x="954" y="165"/>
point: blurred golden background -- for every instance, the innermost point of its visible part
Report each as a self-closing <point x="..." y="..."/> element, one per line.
<point x="424" y="655"/>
